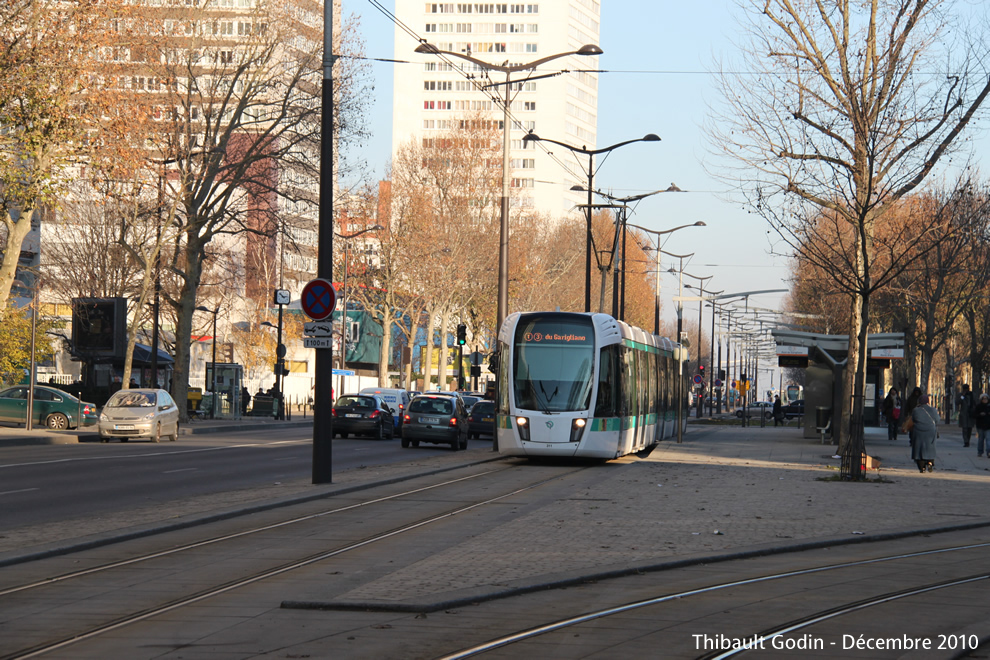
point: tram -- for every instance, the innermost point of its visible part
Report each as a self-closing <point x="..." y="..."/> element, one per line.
<point x="585" y="385"/>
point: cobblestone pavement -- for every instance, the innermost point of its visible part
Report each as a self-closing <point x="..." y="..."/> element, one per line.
<point x="724" y="489"/>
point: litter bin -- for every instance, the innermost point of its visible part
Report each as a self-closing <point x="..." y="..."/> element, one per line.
<point x="823" y="417"/>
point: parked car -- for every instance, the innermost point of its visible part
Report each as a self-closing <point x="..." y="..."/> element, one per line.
<point x="436" y="418"/>
<point x="363" y="414"/>
<point x="481" y="419"/>
<point x="755" y="408"/>
<point x="139" y="413"/>
<point x="793" y="409"/>
<point x="52" y="408"/>
<point x="397" y="400"/>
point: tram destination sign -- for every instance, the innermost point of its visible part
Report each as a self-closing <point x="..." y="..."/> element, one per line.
<point x="551" y="331"/>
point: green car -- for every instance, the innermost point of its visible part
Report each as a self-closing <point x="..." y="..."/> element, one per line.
<point x="52" y="408"/>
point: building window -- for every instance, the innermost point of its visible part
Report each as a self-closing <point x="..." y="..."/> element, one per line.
<point x="529" y="105"/>
<point x="530" y="48"/>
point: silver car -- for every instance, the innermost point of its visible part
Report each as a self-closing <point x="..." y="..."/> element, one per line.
<point x="139" y="413"/>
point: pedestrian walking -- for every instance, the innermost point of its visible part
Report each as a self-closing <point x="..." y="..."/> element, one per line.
<point x="966" y="405"/>
<point x="892" y="412"/>
<point x="924" y="432"/>
<point x="778" y="414"/>
<point x="907" y="409"/>
<point x="981" y="417"/>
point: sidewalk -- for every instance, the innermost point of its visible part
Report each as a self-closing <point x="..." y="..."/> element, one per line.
<point x="725" y="492"/>
<point x="12" y="436"/>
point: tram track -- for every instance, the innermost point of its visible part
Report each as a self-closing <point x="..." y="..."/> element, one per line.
<point x="367" y="508"/>
<point x="519" y="637"/>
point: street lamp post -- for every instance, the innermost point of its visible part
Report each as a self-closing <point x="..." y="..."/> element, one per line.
<point x="508" y="70"/>
<point x="343" y="313"/>
<point x="701" y="292"/>
<point x="590" y="153"/>
<point x="213" y="384"/>
<point x="619" y="299"/>
<point x="658" y="234"/>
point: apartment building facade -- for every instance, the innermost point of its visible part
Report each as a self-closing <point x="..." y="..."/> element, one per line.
<point x="433" y="92"/>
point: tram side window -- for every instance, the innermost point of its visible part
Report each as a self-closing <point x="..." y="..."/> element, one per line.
<point x="503" y="379"/>
<point x="654" y="391"/>
<point x="608" y="383"/>
<point x="631" y="393"/>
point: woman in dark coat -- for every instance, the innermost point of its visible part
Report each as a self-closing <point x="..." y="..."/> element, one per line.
<point x="909" y="405"/>
<point x="923" y="434"/>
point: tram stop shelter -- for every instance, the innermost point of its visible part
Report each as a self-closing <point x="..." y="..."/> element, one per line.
<point x="824" y="359"/>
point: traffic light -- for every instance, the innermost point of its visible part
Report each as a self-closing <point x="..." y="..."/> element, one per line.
<point x="701" y="370"/>
<point x="721" y="374"/>
<point x="461" y="334"/>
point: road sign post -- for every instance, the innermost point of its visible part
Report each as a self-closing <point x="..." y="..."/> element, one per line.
<point x="317" y="301"/>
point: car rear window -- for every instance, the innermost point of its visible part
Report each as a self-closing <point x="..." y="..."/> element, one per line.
<point x="128" y="399"/>
<point x="356" y="401"/>
<point x="436" y="405"/>
<point x="483" y="408"/>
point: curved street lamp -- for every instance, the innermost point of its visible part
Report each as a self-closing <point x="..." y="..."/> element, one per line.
<point x="619" y="299"/>
<point x="508" y="70"/>
<point x="591" y="153"/>
<point x="682" y="257"/>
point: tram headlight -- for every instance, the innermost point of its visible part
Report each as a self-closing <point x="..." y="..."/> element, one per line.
<point x="577" y="428"/>
<point x="522" y="424"/>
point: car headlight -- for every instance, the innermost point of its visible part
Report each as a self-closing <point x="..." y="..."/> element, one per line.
<point x="104" y="418"/>
<point x="150" y="416"/>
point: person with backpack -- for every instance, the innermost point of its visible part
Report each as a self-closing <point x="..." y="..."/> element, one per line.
<point x="892" y="412"/>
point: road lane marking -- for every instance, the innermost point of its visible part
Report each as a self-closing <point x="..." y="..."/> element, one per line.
<point x="160" y="453"/>
<point x="182" y="470"/>
<point x="23" y="490"/>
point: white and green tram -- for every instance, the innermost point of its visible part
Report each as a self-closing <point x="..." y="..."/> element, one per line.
<point x="584" y="385"/>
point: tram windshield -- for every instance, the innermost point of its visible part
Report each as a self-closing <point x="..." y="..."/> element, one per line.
<point x="552" y="370"/>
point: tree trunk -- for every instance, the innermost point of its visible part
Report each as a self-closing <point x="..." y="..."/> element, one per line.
<point x="849" y="377"/>
<point x="428" y="353"/>
<point x="183" y="331"/>
<point x="17" y="230"/>
<point x="411" y="342"/>
<point x="444" y="350"/>
<point x="386" y="349"/>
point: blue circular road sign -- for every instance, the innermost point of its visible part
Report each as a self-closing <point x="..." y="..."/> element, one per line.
<point x="318" y="299"/>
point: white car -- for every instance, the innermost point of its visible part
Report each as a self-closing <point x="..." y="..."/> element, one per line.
<point x="139" y="413"/>
<point x="754" y="408"/>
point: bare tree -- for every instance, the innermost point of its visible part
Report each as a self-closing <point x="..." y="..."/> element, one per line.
<point x="53" y="108"/>
<point x="840" y="114"/>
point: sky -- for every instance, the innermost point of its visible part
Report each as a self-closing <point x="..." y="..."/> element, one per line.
<point x="657" y="54"/>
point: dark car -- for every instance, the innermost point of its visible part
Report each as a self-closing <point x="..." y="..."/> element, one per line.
<point x="52" y="407"/>
<point x="436" y="418"/>
<point x="481" y="419"/>
<point x="793" y="409"/>
<point x="363" y="414"/>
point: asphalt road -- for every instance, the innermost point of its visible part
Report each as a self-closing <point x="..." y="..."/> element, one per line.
<point x="52" y="483"/>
